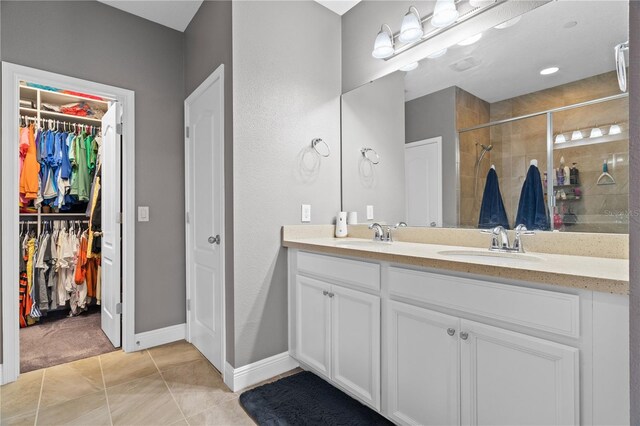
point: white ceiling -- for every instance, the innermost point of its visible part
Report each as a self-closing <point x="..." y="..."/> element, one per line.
<point x="174" y="14"/>
<point x="338" y="6"/>
<point x="507" y="63"/>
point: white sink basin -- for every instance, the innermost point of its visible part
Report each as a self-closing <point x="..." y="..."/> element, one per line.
<point x="363" y="244"/>
<point x="490" y="256"/>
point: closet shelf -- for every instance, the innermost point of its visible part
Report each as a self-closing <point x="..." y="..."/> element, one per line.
<point x="63" y="98"/>
<point x="29" y="110"/>
<point x="83" y="214"/>
<point x="54" y="115"/>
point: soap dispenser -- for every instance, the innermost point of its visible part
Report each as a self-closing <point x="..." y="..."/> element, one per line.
<point x="341" y="225"/>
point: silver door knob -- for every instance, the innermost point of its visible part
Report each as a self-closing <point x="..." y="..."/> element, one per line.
<point x="451" y="331"/>
<point x="214" y="240"/>
<point x="433" y="224"/>
<point x="464" y="335"/>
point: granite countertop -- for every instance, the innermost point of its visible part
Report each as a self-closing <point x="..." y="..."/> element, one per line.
<point x="586" y="272"/>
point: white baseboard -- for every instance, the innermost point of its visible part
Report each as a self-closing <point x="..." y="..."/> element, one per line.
<point x="247" y="375"/>
<point x="161" y="336"/>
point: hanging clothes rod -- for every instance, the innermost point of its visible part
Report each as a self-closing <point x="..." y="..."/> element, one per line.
<point x="50" y="123"/>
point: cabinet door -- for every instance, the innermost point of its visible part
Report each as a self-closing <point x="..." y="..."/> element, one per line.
<point x="356" y="343"/>
<point x="423" y="366"/>
<point x="313" y="324"/>
<point x="510" y="378"/>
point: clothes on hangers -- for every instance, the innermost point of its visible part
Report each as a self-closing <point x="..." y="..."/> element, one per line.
<point x="30" y="168"/>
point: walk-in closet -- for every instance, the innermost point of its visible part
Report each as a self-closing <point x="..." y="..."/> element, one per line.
<point x="60" y="284"/>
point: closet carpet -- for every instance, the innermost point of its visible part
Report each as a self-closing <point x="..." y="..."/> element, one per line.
<point x="61" y="340"/>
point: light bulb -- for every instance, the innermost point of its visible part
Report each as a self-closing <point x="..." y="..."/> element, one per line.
<point x="560" y="138"/>
<point x="615" y="129"/>
<point x="470" y="40"/>
<point x="437" y="54"/>
<point x="549" y="71"/>
<point x="411" y="28"/>
<point x="576" y="135"/>
<point x="409" y="67"/>
<point x="444" y="14"/>
<point x="383" y="46"/>
<point x="595" y="132"/>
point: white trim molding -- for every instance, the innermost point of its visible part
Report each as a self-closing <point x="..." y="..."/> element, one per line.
<point x="12" y="74"/>
<point x="161" y="336"/>
<point x="250" y="374"/>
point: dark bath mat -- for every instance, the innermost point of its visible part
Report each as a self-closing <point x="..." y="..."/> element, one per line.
<point x="306" y="399"/>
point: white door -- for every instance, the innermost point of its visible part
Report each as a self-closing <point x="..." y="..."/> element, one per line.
<point x="424" y="364"/>
<point x="513" y="379"/>
<point x="355" y="342"/>
<point x="423" y="182"/>
<point x="313" y="324"/>
<point x="204" y="111"/>
<point x="111" y="228"/>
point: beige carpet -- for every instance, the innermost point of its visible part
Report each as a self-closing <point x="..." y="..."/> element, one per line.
<point x="58" y="340"/>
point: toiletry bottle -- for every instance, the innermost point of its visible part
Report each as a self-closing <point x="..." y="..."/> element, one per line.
<point x="575" y="175"/>
<point x="341" y="225"/>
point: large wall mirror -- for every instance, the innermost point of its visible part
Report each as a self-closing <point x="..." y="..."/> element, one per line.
<point x="434" y="144"/>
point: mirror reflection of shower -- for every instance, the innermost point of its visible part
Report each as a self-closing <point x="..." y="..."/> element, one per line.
<point x="485" y="149"/>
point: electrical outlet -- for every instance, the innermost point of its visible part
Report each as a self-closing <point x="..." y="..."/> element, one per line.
<point x="369" y="212"/>
<point x="305" y="216"/>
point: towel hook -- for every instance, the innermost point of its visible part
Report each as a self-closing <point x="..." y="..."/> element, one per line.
<point x="370" y="155"/>
<point x="317" y="141"/>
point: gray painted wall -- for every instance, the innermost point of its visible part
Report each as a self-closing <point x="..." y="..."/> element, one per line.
<point x="116" y="48"/>
<point x="286" y="91"/>
<point x="373" y="116"/>
<point x="207" y="44"/>
<point x="435" y="115"/>
<point x="634" y="206"/>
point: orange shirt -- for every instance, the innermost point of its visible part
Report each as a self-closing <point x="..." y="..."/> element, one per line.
<point x="29" y="178"/>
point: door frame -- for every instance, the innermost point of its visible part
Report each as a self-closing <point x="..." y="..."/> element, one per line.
<point x="218" y="74"/>
<point x="438" y="141"/>
<point x="11" y="76"/>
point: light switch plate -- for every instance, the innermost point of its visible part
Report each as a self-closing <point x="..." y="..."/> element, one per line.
<point x="143" y="213"/>
<point x="369" y="212"/>
<point x="305" y="215"/>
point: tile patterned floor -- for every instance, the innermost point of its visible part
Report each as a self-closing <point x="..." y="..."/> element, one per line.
<point x="168" y="385"/>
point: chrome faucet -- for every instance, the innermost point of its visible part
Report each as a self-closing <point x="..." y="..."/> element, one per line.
<point x="500" y="239"/>
<point x="378" y="234"/>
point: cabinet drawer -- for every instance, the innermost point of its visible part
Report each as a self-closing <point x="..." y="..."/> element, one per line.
<point x="357" y="273"/>
<point x="538" y="309"/>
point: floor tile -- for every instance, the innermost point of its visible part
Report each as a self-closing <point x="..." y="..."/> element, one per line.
<point x="264" y="382"/>
<point x="120" y="367"/>
<point x="174" y="354"/>
<point x="228" y="413"/>
<point x="196" y="386"/>
<point x="291" y="372"/>
<point x="21" y="396"/>
<point x="145" y="401"/>
<point x="28" y="419"/>
<point x="90" y="409"/>
<point x="70" y="381"/>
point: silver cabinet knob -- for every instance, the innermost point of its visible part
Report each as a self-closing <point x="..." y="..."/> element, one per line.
<point x="451" y="331"/>
<point x="433" y="224"/>
<point x="214" y="240"/>
<point x="331" y="294"/>
<point x="464" y="335"/>
<point x="325" y="292"/>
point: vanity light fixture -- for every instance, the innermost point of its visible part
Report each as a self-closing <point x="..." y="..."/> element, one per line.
<point x="576" y="135"/>
<point x="437" y="54"/>
<point x="509" y="23"/>
<point x="444" y="13"/>
<point x="549" y="71"/>
<point x="615" y="129"/>
<point x="596" y="132"/>
<point x="411" y="28"/>
<point x="469" y="41"/>
<point x="560" y="138"/>
<point x="383" y="46"/>
<point x="409" y="67"/>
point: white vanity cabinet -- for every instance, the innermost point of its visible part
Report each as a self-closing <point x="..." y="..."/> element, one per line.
<point x="337" y="328"/>
<point x="427" y="347"/>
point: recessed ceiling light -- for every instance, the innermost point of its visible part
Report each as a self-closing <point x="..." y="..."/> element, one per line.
<point x="470" y="40"/>
<point x="409" y="67"/>
<point x="509" y="23"/>
<point x="550" y="70"/>
<point x="437" y="54"/>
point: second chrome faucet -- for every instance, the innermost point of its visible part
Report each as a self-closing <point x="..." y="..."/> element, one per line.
<point x="384" y="234"/>
<point x="500" y="239"/>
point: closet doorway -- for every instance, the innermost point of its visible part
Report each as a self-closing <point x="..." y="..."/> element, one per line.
<point x="67" y="216"/>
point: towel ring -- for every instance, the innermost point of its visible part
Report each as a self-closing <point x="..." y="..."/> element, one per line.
<point x="317" y="141"/>
<point x="370" y="155"/>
